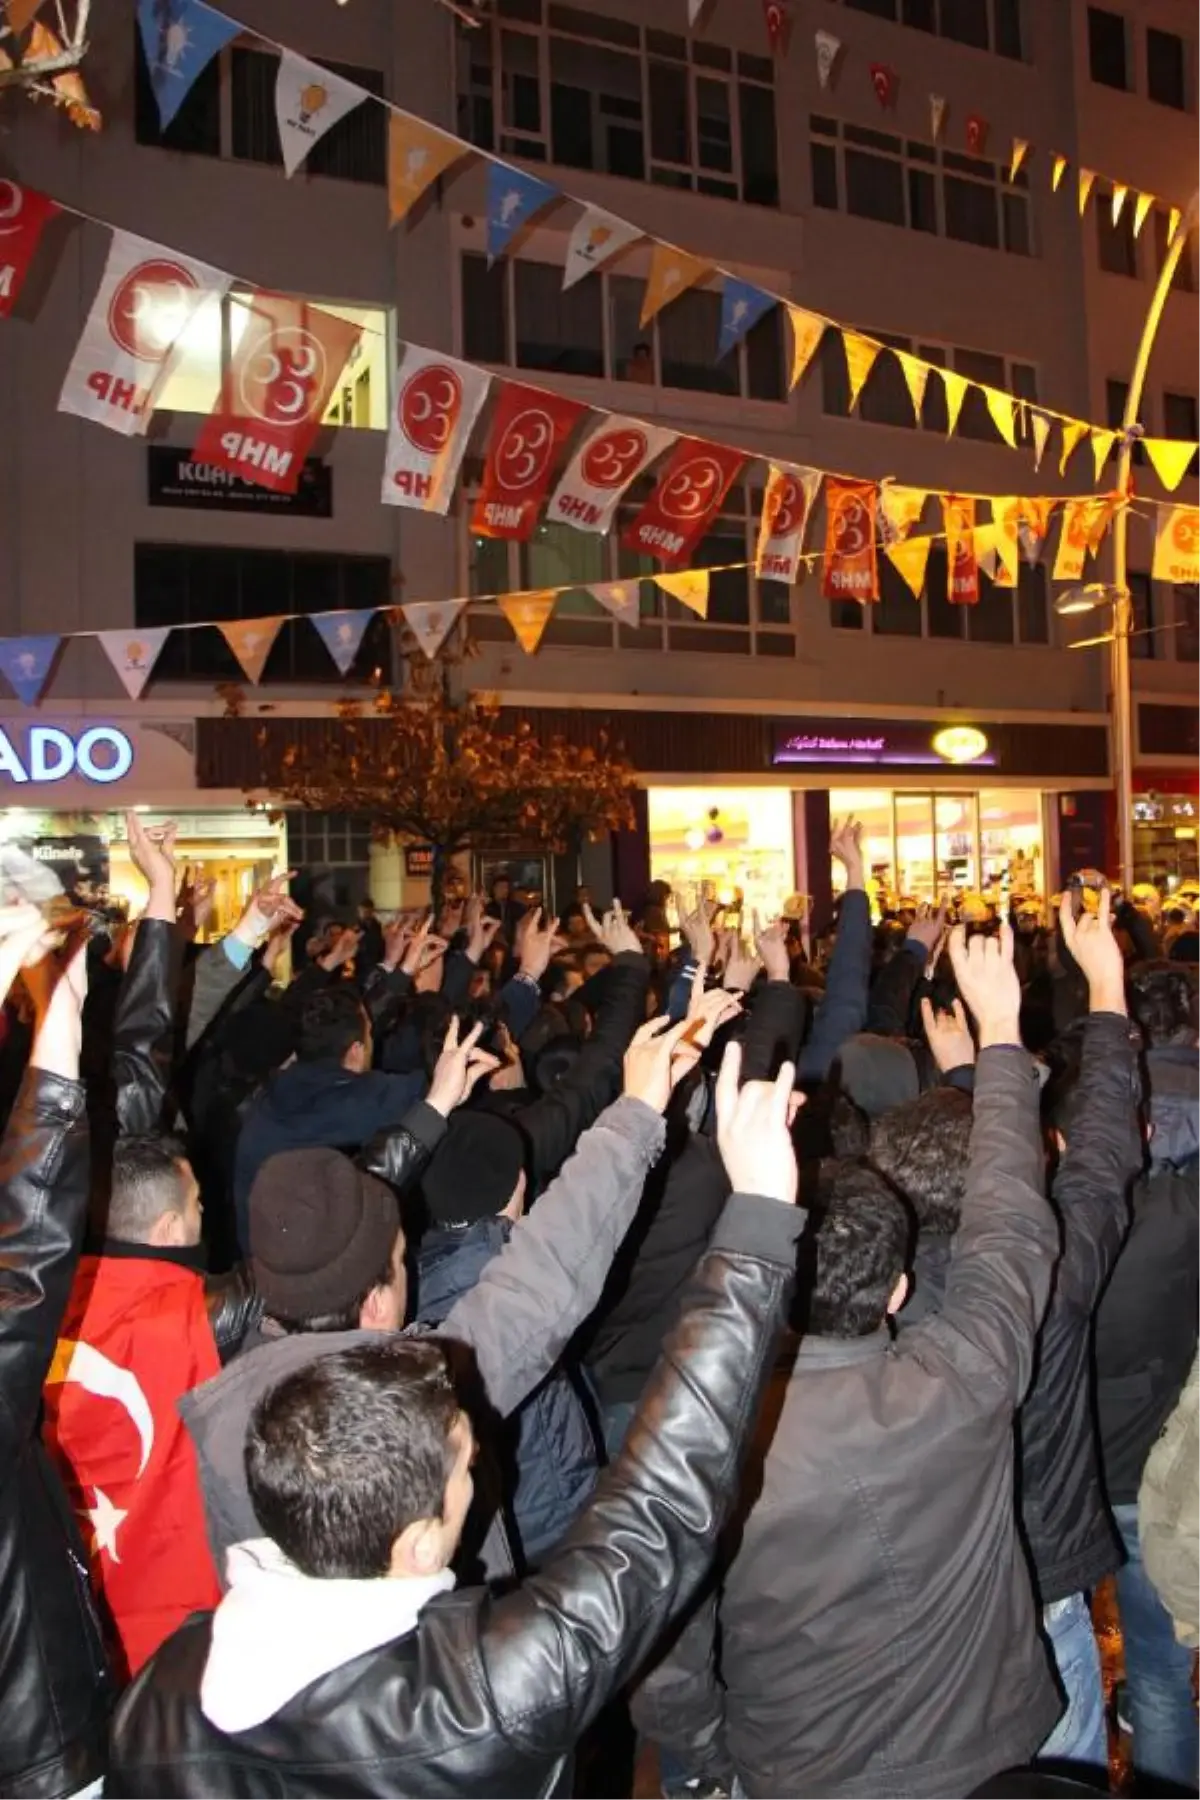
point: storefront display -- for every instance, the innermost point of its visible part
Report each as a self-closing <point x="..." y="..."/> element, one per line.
<point x="919" y="845"/>
<point x="733" y="846"/>
<point x="1165" y="830"/>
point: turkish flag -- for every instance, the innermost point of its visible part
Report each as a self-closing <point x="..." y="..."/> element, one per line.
<point x="977" y="131"/>
<point x="529" y="427"/>
<point x="135" y="1337"/>
<point x="883" y="80"/>
<point x="276" y="389"/>
<point x="779" y="25"/>
<point x="694" y="482"/>
<point x="23" y="216"/>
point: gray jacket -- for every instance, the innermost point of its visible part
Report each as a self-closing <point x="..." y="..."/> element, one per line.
<point x="879" y="1632"/>
<point x="518" y="1319"/>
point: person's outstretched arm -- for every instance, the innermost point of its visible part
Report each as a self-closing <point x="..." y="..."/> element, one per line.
<point x="143" y="1042"/>
<point x="842" y="1010"/>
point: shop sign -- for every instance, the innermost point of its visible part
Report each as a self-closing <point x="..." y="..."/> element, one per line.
<point x="880" y="743"/>
<point x="418" y="861"/>
<point x="101" y="753"/>
<point x="174" y="478"/>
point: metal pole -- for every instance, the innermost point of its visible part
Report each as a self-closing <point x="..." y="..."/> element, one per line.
<point x="1122" y="697"/>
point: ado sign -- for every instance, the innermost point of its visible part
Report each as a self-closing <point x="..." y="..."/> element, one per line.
<point x="99" y="754"/>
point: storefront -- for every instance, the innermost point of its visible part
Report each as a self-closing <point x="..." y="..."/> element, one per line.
<point x="1166" y="823"/>
<point x="65" y="784"/>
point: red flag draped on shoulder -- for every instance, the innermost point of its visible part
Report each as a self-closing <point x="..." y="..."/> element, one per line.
<point x="23" y="217"/>
<point x="694" y="482"/>
<point x="275" y="390"/>
<point x="851" y="572"/>
<point x="528" y="429"/>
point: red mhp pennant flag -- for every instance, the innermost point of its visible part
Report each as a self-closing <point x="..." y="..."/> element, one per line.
<point x="529" y="427"/>
<point x="134" y="1338"/>
<point x="694" y="482"/>
<point x="275" y="391"/>
<point x="23" y="216"/>
<point x="851" y="572"/>
<point x="962" y="560"/>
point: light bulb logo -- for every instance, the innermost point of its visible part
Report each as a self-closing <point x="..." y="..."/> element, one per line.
<point x="312" y="99"/>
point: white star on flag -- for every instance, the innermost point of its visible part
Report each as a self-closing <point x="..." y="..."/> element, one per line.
<point x="105" y="1520"/>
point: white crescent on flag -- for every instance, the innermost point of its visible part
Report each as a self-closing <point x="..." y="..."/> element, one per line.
<point x="91" y="1370"/>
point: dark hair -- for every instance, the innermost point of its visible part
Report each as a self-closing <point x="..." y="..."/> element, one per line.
<point x="849" y="1127"/>
<point x="862" y="1243"/>
<point x="1160" y="999"/>
<point x="348" y="1317"/>
<point x="344" y="1455"/>
<point x="921" y="1149"/>
<point x="332" y="1021"/>
<point x="148" y="1179"/>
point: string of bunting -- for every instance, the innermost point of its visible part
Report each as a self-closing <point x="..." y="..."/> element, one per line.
<point x="181" y="39"/>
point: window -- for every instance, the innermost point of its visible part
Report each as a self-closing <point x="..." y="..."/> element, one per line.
<point x="1107" y="59"/>
<point x="517" y="315"/>
<point x="179" y="584"/>
<point x="974" y="421"/>
<point x="1180" y="416"/>
<point x="320" y="840"/>
<point x="1002" y="616"/>
<point x="1185" y="269"/>
<point x="1166" y="79"/>
<point x="1117" y="245"/>
<point x="1142" y="643"/>
<point x="965" y="21"/>
<point x="882" y="177"/>
<point x="885" y="399"/>
<point x="1033" y="614"/>
<point x="983" y="24"/>
<point x="557" y="83"/>
<point x="1187" y="624"/>
<point x="230" y="112"/>
<point x="360" y="401"/>
<point x="745" y="617"/>
<point x="991" y="621"/>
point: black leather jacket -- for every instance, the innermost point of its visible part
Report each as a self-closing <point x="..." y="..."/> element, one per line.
<point x="54" y="1683"/>
<point x="489" y="1696"/>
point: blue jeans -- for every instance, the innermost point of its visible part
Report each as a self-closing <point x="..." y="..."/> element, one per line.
<point x="1081" y="1734"/>
<point x="1158" y="1671"/>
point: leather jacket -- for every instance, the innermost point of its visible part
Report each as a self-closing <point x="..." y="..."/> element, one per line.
<point x="54" y="1683"/>
<point x="489" y="1695"/>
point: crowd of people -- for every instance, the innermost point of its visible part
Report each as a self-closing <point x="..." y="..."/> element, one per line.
<point x="434" y="1346"/>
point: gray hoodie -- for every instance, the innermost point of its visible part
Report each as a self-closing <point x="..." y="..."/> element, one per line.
<point x="517" y="1320"/>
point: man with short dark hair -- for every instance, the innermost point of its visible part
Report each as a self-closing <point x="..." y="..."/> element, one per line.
<point x="341" y="1662"/>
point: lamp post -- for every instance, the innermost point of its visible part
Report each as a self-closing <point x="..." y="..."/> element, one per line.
<point x="1122" y="698"/>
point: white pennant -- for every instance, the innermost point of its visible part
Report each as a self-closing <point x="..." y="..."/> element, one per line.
<point x="601" y="470"/>
<point x="597" y="236"/>
<point x="437" y="403"/>
<point x="623" y="599"/>
<point x="309" y="101"/>
<point x="432" y="621"/>
<point x="133" y="655"/>
<point x="1041" y="433"/>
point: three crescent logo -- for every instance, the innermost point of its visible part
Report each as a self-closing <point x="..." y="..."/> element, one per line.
<point x="12" y="205"/>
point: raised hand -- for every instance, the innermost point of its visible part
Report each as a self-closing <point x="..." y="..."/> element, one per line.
<point x="343" y="947"/>
<point x="949" y="1036"/>
<point x="845" y="844"/>
<point x="24" y="937"/>
<point x="269" y="905"/>
<point x="1091" y="942"/>
<point x="657" y="1060"/>
<point x="58" y="1032"/>
<point x="987" y="981"/>
<point x="458" y="1069"/>
<point x="753" y="1130"/>
<point x="614" y="931"/>
<point x="771" y="945"/>
<point x="424" y="949"/>
<point x="698" y="931"/>
<point x="741" y="969"/>
<point x="537" y="942"/>
<point x="929" y="930"/>
<point x="480" y="929"/>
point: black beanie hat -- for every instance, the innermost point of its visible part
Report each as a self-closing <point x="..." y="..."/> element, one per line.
<point x="474" y="1169"/>
<point x="321" y="1232"/>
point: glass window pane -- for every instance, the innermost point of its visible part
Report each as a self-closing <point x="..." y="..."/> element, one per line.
<point x="1015" y="209"/>
<point x="919" y="14"/>
<point x="1106" y="47"/>
<point x="945" y="620"/>
<point x="630" y="344"/>
<point x="670" y="122"/>
<point x="882" y="9"/>
<point x="764" y="357"/>
<point x="556" y="555"/>
<point x="955" y="819"/>
<point x="874" y="187"/>
<point x="824" y="174"/>
<point x="774" y="603"/>
<point x="1010" y="831"/>
<point x="835" y="382"/>
<point x="252" y="97"/>
<point x="1166" y="66"/>
<point x="1007" y="15"/>
<point x="991" y="621"/>
<point x="974" y="421"/>
<point x="898" y="613"/>
<point x="1116" y="245"/>
<point x="687" y="345"/>
<point x="714" y="128"/>
<point x="489" y="564"/>
<point x="520" y="84"/>
<point x="970" y="212"/>
<point x="1031" y="604"/>
<point x="1141" y="593"/>
<point x="847" y="615"/>
<point x="485" y="310"/>
<point x="557" y="328"/>
<point x="1187" y="630"/>
<point x="922" y="200"/>
<point x="885" y="400"/>
<point x="873" y="806"/>
<point x="355" y="149"/>
<point x="760" y="164"/>
<point x="916" y="872"/>
<point x="965" y="21"/>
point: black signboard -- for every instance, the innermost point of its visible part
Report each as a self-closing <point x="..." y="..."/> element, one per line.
<point x="175" y="479"/>
<point x="418" y="860"/>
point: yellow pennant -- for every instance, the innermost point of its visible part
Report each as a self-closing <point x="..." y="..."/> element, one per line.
<point x="1073" y="537"/>
<point x="1120" y="194"/>
<point x="20" y="14"/>
<point x="1006" y="539"/>
<point x="672" y="272"/>
<point x="1102" y="443"/>
<point x="1174" y="220"/>
<point x="1020" y="150"/>
<point x="956" y="393"/>
<point x="1057" y="173"/>
<point x="529" y="615"/>
<point x="1144" y="203"/>
<point x="1000" y="405"/>
<point x="1040" y="426"/>
<point x="909" y="558"/>
<point x="1169" y="458"/>
<point x="860" y="360"/>
<point x="689" y="587"/>
<point x="417" y="155"/>
<point x="984" y="543"/>
<point x="807" y="332"/>
<point x="916" y="374"/>
<point x="900" y="508"/>
<point x="1104" y="509"/>
<point x="1177" y="546"/>
<point x="1086" y="178"/>
<point x="1073" y="432"/>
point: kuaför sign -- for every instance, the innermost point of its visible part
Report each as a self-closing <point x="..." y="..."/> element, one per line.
<point x="101" y="754"/>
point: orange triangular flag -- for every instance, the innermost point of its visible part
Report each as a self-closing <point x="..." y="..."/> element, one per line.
<point x="1144" y="203"/>
<point x="1000" y="405"/>
<point x="417" y="155"/>
<point x="1057" y="173"/>
<point x="860" y="360"/>
<point x="807" y="332"/>
<point x="251" y="641"/>
<point x="1086" y="178"/>
<point x="21" y="13"/>
<point x="1020" y="150"/>
<point x="916" y="375"/>
<point x="1174" y="218"/>
<point x="909" y="557"/>
<point x="68" y="86"/>
<point x="689" y="587"/>
<point x="956" y="393"/>
<point x="1102" y="443"/>
<point x="672" y="271"/>
<point x="1074" y="430"/>
<point x="529" y="615"/>
<point x="1120" y="194"/>
<point x="1169" y="458"/>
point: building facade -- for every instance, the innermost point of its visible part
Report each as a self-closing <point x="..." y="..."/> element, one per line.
<point x="750" y="728"/>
